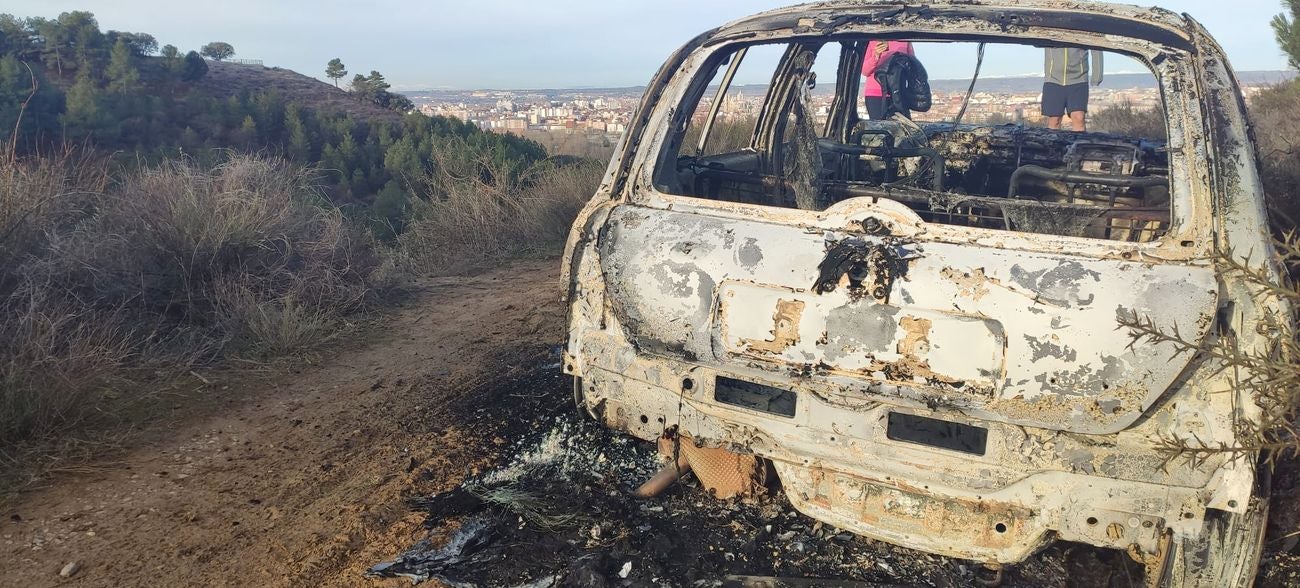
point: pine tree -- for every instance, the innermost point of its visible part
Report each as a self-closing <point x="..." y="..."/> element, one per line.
<point x="379" y="89"/>
<point x="123" y="77"/>
<point x="55" y="42"/>
<point x="361" y="88"/>
<point x="377" y="81"/>
<point x="15" y="87"/>
<point x="141" y="44"/>
<point x="248" y="132"/>
<point x="16" y="37"/>
<point x="1288" y="33"/>
<point x="335" y="70"/>
<point x="82" y="114"/>
<point x="88" y="45"/>
<point x="190" y="139"/>
<point x="299" y="143"/>
<point x="402" y="160"/>
<point x="348" y="150"/>
<point x="360" y="184"/>
<point x="389" y="211"/>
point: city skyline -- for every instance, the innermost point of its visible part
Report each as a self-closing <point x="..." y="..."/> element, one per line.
<point x="494" y="43"/>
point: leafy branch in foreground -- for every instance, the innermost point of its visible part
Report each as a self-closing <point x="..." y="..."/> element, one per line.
<point x="1269" y="373"/>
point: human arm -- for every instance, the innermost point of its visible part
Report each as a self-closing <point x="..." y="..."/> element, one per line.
<point x="875" y="49"/>
<point x="1097" y="67"/>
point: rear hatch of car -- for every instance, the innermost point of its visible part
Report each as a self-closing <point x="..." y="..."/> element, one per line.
<point x="863" y="305"/>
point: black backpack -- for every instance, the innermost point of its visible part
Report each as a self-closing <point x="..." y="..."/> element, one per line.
<point x="904" y="85"/>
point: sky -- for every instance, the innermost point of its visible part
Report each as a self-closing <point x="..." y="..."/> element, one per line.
<point x="517" y="44"/>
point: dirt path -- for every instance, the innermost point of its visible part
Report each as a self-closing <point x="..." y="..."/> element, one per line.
<point x="302" y="479"/>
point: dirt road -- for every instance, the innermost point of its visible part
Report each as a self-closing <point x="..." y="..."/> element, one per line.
<point x="297" y="478"/>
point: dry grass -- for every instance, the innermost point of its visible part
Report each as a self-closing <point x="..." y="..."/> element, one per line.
<point x="107" y="285"/>
<point x="476" y="211"/>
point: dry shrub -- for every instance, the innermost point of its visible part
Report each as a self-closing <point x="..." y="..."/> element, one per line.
<point x="1277" y="130"/>
<point x="1124" y="119"/>
<point x="728" y="135"/>
<point x="476" y="210"/>
<point x="582" y="145"/>
<point x="170" y="267"/>
<point x="1270" y="373"/>
<point x="59" y="364"/>
<point x="41" y="195"/>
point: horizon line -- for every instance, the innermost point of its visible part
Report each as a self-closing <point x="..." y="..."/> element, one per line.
<point x="642" y="86"/>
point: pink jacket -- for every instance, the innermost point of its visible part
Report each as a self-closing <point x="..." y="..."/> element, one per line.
<point x="871" y="87"/>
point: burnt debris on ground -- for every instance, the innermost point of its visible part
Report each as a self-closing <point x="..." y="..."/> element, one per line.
<point x="559" y="510"/>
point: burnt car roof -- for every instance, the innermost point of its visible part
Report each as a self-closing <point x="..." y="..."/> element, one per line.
<point x="1153" y="24"/>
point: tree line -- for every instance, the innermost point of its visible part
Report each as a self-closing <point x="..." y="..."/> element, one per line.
<point x="64" y="81"/>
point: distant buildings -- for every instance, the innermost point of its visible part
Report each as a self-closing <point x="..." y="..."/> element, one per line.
<point x="608" y="112"/>
<point x="517" y="112"/>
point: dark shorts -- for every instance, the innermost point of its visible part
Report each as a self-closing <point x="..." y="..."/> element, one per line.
<point x="1058" y="99"/>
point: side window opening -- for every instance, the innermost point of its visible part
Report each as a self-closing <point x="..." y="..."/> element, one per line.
<point x="729" y="107"/>
<point x="806" y="138"/>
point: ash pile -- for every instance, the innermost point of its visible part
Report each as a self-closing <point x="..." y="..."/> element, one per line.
<point x="561" y="509"/>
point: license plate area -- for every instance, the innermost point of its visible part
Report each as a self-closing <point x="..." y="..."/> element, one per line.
<point x="937" y="433"/>
<point x="753" y="396"/>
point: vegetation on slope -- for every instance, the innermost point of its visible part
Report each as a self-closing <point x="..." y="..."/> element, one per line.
<point x="157" y="220"/>
<point x="64" y="81"/>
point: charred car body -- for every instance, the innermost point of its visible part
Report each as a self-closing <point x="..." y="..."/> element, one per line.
<point x="919" y="324"/>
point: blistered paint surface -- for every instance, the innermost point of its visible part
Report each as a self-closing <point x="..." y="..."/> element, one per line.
<point x="1003" y="335"/>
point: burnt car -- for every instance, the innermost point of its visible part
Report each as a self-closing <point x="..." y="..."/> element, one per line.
<point x="919" y="323"/>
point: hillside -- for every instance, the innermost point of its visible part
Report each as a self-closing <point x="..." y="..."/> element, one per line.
<point x="119" y="95"/>
<point x="227" y="79"/>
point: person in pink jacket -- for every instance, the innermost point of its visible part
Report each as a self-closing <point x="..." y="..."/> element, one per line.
<point x="878" y="52"/>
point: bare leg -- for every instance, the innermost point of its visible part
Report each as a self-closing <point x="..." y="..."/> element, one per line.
<point x="1078" y="120"/>
<point x="1053" y="122"/>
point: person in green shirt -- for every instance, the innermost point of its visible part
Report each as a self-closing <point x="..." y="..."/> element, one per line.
<point x="1065" y="84"/>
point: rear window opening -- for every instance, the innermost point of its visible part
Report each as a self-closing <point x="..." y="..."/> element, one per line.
<point x="787" y="125"/>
